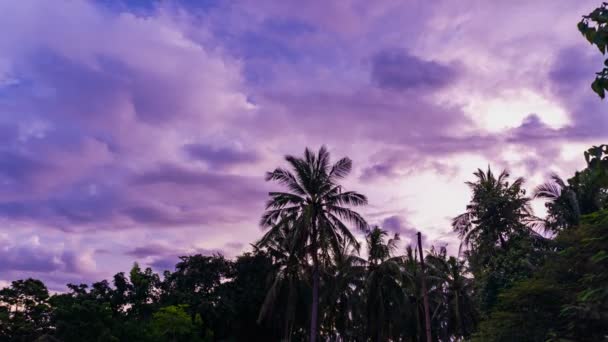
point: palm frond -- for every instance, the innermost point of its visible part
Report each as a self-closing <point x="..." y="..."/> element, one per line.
<point x="286" y="178"/>
<point x="340" y="169"/>
<point x="279" y="200"/>
<point x="351" y="198"/>
<point x="349" y="215"/>
<point x="462" y="224"/>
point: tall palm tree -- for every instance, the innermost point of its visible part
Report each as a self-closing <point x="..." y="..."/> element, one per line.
<point x="498" y="209"/>
<point x="314" y="208"/>
<point x="496" y="227"/>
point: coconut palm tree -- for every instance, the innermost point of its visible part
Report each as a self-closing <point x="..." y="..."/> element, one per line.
<point x="497" y="210"/>
<point x="386" y="287"/>
<point x="563" y="210"/>
<point x="452" y="293"/>
<point x="344" y="295"/>
<point x="497" y="229"/>
<point x="288" y="283"/>
<point x="315" y="208"/>
<point x="585" y="193"/>
<point x="377" y="249"/>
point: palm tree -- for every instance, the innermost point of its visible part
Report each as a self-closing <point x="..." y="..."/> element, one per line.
<point x="585" y="193"/>
<point x="345" y="295"/>
<point x="377" y="249"/>
<point x="497" y="210"/>
<point x="287" y="283"/>
<point x="386" y="287"/>
<point x="452" y="292"/>
<point x="415" y="316"/>
<point x="314" y="209"/>
<point x="497" y="228"/>
<point x="562" y="206"/>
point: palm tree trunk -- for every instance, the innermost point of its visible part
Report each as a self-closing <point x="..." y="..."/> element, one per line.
<point x="425" y="296"/>
<point x="315" y="300"/>
<point x="314" y="312"/>
<point x="380" y="327"/>
<point x="459" y="316"/>
<point x="419" y="333"/>
<point x="463" y="323"/>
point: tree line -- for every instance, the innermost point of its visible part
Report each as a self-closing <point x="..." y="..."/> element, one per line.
<point x="309" y="278"/>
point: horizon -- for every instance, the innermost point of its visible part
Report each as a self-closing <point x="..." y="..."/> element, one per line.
<point x="139" y="133"/>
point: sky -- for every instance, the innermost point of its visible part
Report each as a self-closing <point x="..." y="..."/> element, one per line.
<point x="142" y="130"/>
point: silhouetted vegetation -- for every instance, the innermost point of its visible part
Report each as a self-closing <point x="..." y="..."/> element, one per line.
<point x="509" y="283"/>
<point x="594" y="28"/>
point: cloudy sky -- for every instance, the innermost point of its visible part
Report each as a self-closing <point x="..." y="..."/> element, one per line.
<point x="141" y="130"/>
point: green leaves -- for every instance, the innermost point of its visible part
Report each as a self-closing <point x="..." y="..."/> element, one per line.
<point x="599" y="87"/>
<point x="599" y="257"/>
<point x="594" y="28"/>
<point x="582" y="27"/>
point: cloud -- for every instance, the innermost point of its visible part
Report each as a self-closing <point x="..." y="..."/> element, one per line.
<point x="366" y="113"/>
<point x="397" y="69"/>
<point x="391" y="164"/>
<point x="33" y="256"/>
<point x="163" y="257"/>
<point x="570" y="76"/>
<point x="88" y="120"/>
<point x="16" y="168"/>
<point x="152" y="249"/>
<point x="220" y="157"/>
<point x="407" y="232"/>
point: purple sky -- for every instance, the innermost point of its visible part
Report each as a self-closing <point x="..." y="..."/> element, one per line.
<point x="139" y="133"/>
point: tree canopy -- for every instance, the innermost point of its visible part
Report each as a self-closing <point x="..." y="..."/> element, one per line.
<point x="509" y="283"/>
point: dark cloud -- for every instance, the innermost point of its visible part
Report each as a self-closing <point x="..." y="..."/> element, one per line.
<point x="71" y="208"/>
<point x="574" y="66"/>
<point x="19" y="168"/>
<point x="363" y="113"/>
<point x="197" y="197"/>
<point x="194" y="190"/>
<point x="153" y="249"/>
<point x="386" y="169"/>
<point x="167" y="173"/>
<point x="402" y="163"/>
<point x="164" y="263"/>
<point x="399" y="70"/>
<point x="570" y="77"/>
<point x="531" y="129"/>
<point x="162" y="257"/>
<point x="407" y="232"/>
<point x="220" y="157"/>
<point x="32" y="256"/>
<point x="25" y="258"/>
<point x="171" y="216"/>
